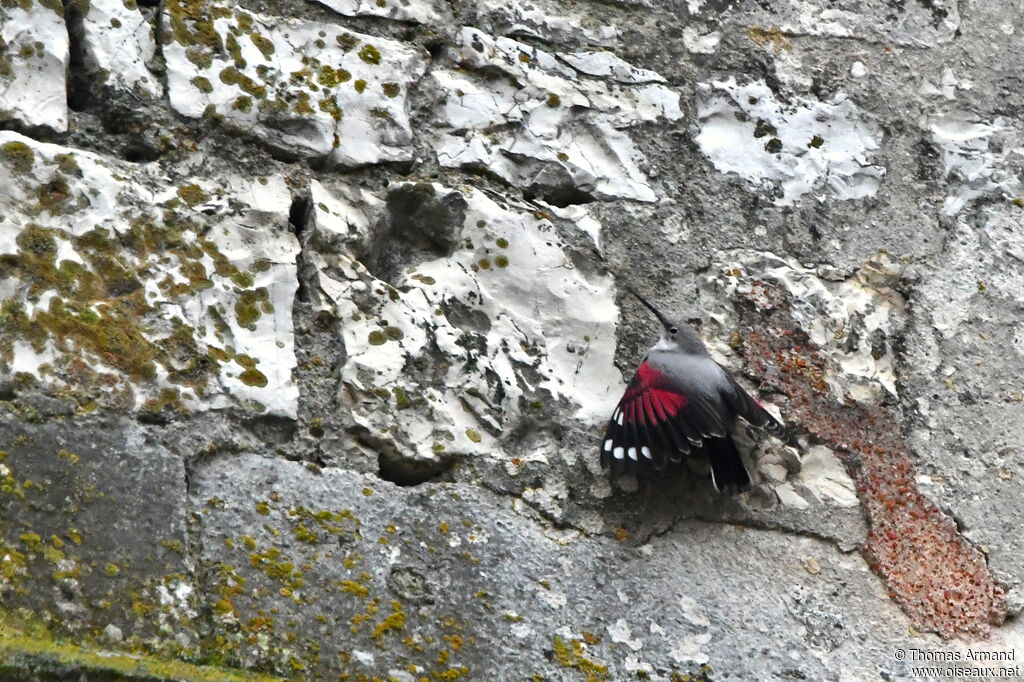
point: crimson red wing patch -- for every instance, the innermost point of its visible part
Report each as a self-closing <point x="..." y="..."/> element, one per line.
<point x="648" y="425"/>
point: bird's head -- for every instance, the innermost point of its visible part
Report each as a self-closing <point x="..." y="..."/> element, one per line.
<point x="675" y="335"/>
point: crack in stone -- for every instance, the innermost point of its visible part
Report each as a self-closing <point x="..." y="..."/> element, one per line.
<point x="557" y="524"/>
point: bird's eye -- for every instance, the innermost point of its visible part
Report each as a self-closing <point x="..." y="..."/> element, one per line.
<point x="673" y="330"/>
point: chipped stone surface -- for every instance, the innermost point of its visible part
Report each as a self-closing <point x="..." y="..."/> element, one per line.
<point x="417" y="11"/>
<point x="308" y="89"/>
<point x="915" y="24"/>
<point x="304" y="361"/>
<point x="489" y="291"/>
<point x="33" y="63"/>
<point x="981" y="158"/>
<point x="546" y="20"/>
<point x="568" y="114"/>
<point x="789" y="149"/>
<point x="701" y="42"/>
<point x="852" y="320"/>
<point x="119" y="45"/>
<point x="943" y="581"/>
<point x="169" y="296"/>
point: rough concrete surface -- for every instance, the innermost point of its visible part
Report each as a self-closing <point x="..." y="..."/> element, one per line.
<point x="311" y="313"/>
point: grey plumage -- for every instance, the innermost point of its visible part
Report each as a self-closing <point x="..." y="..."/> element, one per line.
<point x="681" y="402"/>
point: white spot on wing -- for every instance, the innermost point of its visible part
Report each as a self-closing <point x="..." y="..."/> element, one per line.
<point x="608" y="445"/>
<point x="619" y="419"/>
<point x="618" y="453"/>
<point x="646" y="451"/>
<point x="632" y="454"/>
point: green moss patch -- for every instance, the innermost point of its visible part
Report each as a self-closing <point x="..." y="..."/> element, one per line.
<point x="369" y="54"/>
<point x="193" y="195"/>
<point x="18" y="156"/>
<point x="33" y="650"/>
<point x="253" y="377"/>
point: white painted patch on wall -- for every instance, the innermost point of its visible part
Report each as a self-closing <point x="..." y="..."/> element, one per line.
<point x="312" y="89"/>
<point x="415" y="11"/>
<point x="690" y="650"/>
<point x="919" y="24"/>
<point x="988" y="255"/>
<point x="790" y="149"/>
<point x="701" y="42"/>
<point x="551" y="20"/>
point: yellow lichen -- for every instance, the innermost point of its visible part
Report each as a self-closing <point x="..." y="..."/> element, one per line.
<point x="32" y="540"/>
<point x="202" y="84"/>
<point x="69" y="457"/>
<point x="393" y="622"/>
<point x="253" y="377"/>
<point x="35" y="648"/>
<point x="570" y="655"/>
<point x="369" y="54"/>
<point x="352" y="587"/>
<point x="769" y="36"/>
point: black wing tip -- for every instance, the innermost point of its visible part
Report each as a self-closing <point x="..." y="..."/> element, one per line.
<point x="729" y="473"/>
<point x="755" y="413"/>
<point x="769" y="423"/>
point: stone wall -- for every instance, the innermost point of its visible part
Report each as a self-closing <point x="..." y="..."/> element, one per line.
<point x="311" y="313"/>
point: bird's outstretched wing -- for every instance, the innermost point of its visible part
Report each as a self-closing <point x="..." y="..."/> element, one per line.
<point x="656" y="422"/>
<point x="752" y="411"/>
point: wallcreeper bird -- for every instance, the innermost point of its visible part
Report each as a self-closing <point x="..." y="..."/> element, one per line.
<point x="681" y="402"/>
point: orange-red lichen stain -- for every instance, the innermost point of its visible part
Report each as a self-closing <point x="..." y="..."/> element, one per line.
<point x="941" y="581"/>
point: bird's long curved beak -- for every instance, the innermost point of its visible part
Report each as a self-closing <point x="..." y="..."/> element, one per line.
<point x="657" y="313"/>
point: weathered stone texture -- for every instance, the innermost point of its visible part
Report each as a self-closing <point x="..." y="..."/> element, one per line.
<point x="33" y="61"/>
<point x="310" y="315"/>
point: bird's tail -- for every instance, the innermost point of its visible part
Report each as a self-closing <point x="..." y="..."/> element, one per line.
<point x="728" y="472"/>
